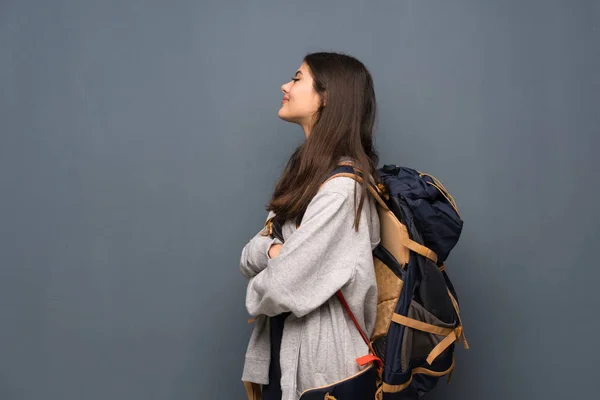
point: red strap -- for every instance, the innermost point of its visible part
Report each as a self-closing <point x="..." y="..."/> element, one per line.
<point x="370" y="357"/>
<point x="364" y="360"/>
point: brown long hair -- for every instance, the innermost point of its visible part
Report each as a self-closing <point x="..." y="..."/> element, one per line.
<point x="342" y="128"/>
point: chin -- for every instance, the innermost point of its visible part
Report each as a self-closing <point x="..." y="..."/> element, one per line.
<point x="282" y="115"/>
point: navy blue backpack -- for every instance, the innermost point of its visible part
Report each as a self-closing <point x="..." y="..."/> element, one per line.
<point x="418" y="319"/>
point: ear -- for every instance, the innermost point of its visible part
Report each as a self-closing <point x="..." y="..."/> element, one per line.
<point x="324" y="99"/>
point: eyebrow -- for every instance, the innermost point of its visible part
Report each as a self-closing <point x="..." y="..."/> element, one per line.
<point x="298" y="72"/>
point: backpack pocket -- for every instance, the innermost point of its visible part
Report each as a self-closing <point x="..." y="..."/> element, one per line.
<point x="419" y="343"/>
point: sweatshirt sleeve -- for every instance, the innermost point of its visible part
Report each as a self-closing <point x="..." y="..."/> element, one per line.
<point x="315" y="261"/>
<point x="256" y="253"/>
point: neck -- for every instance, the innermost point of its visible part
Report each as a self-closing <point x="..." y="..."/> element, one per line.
<point x="306" y="130"/>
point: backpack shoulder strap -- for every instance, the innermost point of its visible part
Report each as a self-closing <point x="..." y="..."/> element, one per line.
<point x="346" y="169"/>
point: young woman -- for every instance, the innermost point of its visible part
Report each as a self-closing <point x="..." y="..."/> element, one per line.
<point x="303" y="337"/>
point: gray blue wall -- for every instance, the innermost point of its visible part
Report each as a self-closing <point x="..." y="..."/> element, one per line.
<point x="139" y="142"/>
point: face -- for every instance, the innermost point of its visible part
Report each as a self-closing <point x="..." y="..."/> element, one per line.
<point x="300" y="100"/>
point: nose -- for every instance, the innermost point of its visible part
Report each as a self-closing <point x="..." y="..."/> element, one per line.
<point x="284" y="88"/>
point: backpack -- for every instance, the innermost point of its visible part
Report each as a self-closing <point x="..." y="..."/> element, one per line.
<point x="418" y="319"/>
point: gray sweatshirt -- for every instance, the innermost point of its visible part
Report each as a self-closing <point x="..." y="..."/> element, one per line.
<point x="320" y="343"/>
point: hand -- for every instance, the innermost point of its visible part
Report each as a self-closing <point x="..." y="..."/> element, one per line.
<point x="274" y="250"/>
